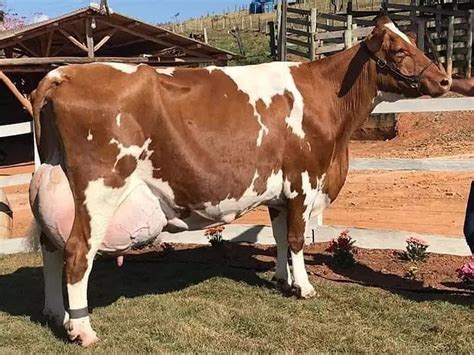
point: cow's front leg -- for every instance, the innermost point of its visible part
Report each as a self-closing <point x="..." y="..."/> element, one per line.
<point x="296" y="229"/>
<point x="53" y="264"/>
<point x="280" y="232"/>
<point x="80" y="251"/>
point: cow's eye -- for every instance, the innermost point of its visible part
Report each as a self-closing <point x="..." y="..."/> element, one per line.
<point x="399" y="53"/>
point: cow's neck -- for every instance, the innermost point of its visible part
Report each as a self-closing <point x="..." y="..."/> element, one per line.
<point x="354" y="75"/>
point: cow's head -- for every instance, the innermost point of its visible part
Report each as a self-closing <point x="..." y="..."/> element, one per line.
<point x="402" y="67"/>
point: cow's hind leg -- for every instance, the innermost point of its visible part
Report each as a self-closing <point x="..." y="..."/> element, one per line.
<point x="280" y="232"/>
<point x="297" y="220"/>
<point x="53" y="263"/>
<point x="80" y="252"/>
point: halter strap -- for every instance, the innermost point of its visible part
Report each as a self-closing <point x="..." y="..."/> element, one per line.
<point x="413" y="81"/>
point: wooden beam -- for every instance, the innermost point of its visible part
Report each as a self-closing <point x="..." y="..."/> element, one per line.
<point x="73" y="40"/>
<point x="53" y="54"/>
<point x="151" y="38"/>
<point x="18" y="62"/>
<point x="48" y="45"/>
<point x="128" y="43"/>
<point x="23" y="100"/>
<point x="89" y="38"/>
<point x="104" y="40"/>
<point x="29" y="50"/>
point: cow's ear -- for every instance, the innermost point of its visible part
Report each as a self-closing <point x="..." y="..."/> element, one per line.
<point x="413" y="37"/>
<point x="375" y="40"/>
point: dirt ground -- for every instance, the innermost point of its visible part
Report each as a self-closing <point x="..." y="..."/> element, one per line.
<point x="378" y="268"/>
<point x="418" y="202"/>
<point x="424" y="135"/>
<point x="432" y="203"/>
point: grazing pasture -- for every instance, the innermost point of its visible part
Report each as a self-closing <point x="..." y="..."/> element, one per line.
<point x="172" y="306"/>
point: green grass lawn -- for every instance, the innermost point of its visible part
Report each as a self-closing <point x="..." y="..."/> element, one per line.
<point x="165" y="306"/>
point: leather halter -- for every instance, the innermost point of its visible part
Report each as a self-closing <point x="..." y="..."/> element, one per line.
<point x="413" y="81"/>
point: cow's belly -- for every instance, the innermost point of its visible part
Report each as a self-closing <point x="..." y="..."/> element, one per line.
<point x="137" y="219"/>
<point x="229" y="209"/>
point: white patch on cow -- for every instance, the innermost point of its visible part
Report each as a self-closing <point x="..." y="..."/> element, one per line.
<point x="225" y="209"/>
<point x="300" y="276"/>
<point x="89" y="136"/>
<point x="144" y="169"/>
<point x="225" y="95"/>
<point x="118" y="119"/>
<point x="166" y="71"/>
<point x="391" y="26"/>
<point x="287" y="190"/>
<point x="125" y="68"/>
<point x="315" y="199"/>
<point x="55" y="74"/>
<point x="263" y="82"/>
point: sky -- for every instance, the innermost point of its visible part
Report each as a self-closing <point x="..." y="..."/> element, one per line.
<point x="153" y="11"/>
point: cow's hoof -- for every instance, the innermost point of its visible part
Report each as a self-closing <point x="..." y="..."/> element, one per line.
<point x="282" y="285"/>
<point x="305" y="292"/>
<point x="56" y="318"/>
<point x="82" y="334"/>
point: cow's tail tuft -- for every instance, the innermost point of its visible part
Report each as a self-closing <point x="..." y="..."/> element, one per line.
<point x="34" y="233"/>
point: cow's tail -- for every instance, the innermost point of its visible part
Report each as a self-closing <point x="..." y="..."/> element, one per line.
<point x="41" y="95"/>
<point x="34" y="233"/>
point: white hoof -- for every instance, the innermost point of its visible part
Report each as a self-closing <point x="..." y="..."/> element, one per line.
<point x="81" y="332"/>
<point x="305" y="292"/>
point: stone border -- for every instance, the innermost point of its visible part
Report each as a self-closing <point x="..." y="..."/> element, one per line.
<point x="365" y="238"/>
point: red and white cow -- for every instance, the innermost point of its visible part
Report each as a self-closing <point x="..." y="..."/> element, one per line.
<point x="130" y="151"/>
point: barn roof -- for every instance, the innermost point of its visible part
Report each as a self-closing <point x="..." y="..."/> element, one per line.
<point x="89" y="34"/>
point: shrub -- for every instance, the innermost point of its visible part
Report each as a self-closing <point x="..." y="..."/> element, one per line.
<point x="415" y="250"/>
<point x="214" y="234"/>
<point x="466" y="273"/>
<point x="342" y="249"/>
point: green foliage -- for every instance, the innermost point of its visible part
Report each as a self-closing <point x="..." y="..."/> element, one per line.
<point x="415" y="250"/>
<point x="342" y="249"/>
<point x="256" y="46"/>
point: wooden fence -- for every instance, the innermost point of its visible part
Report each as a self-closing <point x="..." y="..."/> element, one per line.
<point x="310" y="34"/>
<point x="241" y="19"/>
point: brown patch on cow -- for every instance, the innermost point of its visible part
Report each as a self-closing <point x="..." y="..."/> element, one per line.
<point x="123" y="169"/>
<point x="143" y="155"/>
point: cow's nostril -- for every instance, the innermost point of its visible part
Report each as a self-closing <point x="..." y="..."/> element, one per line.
<point x="444" y="82"/>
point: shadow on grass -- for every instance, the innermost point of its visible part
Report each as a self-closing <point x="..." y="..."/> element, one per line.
<point x="168" y="271"/>
<point x="21" y="292"/>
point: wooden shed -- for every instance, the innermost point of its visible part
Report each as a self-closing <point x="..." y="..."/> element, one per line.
<point x="86" y="35"/>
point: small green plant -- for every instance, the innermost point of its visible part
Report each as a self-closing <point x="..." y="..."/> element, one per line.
<point x="342" y="249"/>
<point x="415" y="250"/>
<point x="214" y="234"/>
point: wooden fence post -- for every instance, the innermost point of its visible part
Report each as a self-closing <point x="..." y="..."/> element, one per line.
<point x="421" y="31"/>
<point x="204" y="33"/>
<point x="282" y="31"/>
<point x="348" y="31"/>
<point x="250" y="22"/>
<point x="449" y="46"/>
<point x="312" y="32"/>
<point x="271" y="31"/>
<point x="470" y="31"/>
